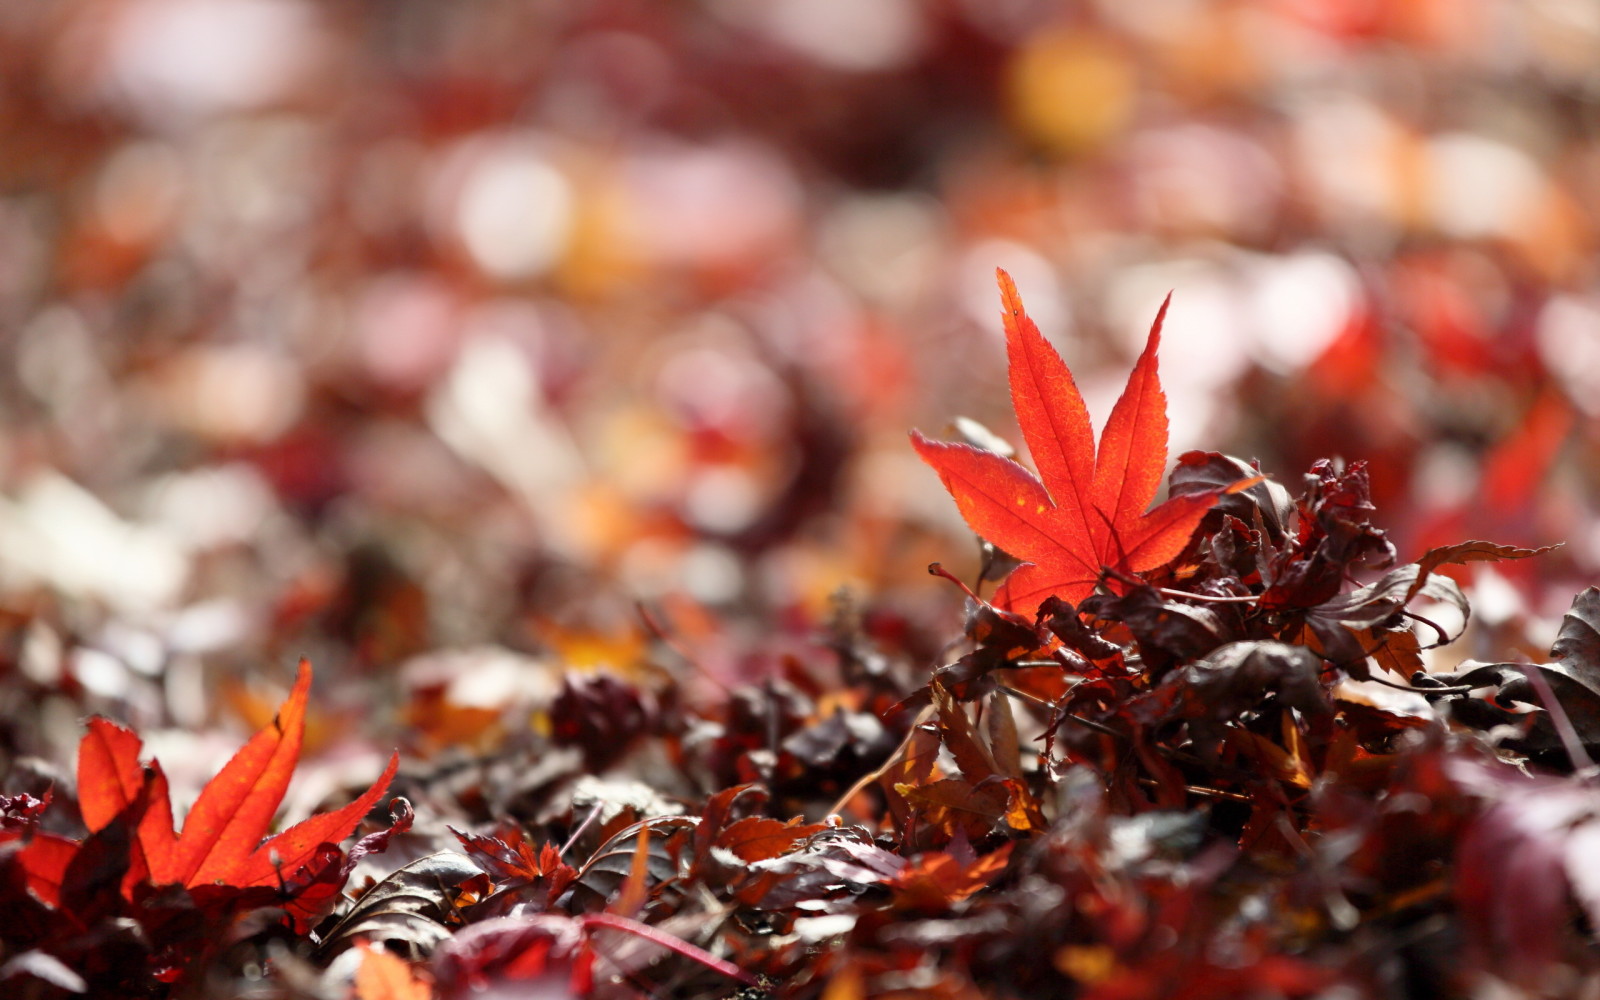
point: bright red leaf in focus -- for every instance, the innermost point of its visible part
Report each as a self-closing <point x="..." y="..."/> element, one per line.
<point x="1084" y="512"/>
<point x="221" y="842"/>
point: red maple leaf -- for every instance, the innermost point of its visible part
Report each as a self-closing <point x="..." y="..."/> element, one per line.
<point x="222" y="839"/>
<point x="1085" y="512"/>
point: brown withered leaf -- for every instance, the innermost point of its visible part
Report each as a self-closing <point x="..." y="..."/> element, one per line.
<point x="1469" y="552"/>
<point x="602" y="875"/>
<point x="1005" y="743"/>
<point x="1234" y="679"/>
<point x="1572" y="674"/>
<point x="977" y="810"/>
<point x="961" y="738"/>
<point x="1209" y="471"/>
<point x="411" y="909"/>
<point x="1399" y="651"/>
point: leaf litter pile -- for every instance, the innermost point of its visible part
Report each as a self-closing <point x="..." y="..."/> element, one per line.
<point x="1185" y="750"/>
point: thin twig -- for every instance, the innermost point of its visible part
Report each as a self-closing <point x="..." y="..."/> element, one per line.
<point x="937" y="569"/>
<point x="1180" y="756"/>
<point x="671" y="942"/>
<point x="1558" y="717"/>
<point x="1080" y="720"/>
<point x="837" y="808"/>
<point x="1216" y="793"/>
<point x="573" y="839"/>
<point x="1428" y="892"/>
<point x="1185" y="595"/>
<point x="1442" y="689"/>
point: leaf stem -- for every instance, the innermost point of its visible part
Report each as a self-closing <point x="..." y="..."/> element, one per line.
<point x="1185" y="595"/>
<point x="1558" y="716"/>
<point x="1200" y="790"/>
<point x="866" y="779"/>
<point x="1034" y="699"/>
<point x="937" y="569"/>
<point x="1442" y="689"/>
<point x="1444" y="637"/>
<point x="669" y="941"/>
<point x="573" y="839"/>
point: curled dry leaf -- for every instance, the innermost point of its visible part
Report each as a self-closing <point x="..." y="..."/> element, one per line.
<point x="602" y="875"/>
<point x="1572" y="675"/>
<point x="410" y="909"/>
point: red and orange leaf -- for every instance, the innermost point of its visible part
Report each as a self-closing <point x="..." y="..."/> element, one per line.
<point x="1158" y="537"/>
<point x="1030" y="584"/>
<point x="1086" y="512"/>
<point x="758" y="838"/>
<point x="296" y="845"/>
<point x="109" y="772"/>
<point x="127" y="807"/>
<point x="938" y="879"/>
<point x="999" y="499"/>
<point x="635" y="889"/>
<point x="1133" y="446"/>
<point x="509" y="856"/>
<point x="235" y="809"/>
<point x="385" y="976"/>
<point x="110" y="778"/>
<point x="1052" y="415"/>
<point x="44" y="864"/>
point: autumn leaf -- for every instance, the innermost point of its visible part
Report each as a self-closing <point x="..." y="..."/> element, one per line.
<point x="1086" y="510"/>
<point x="110" y="779"/>
<point x="222" y="839"/>
<point x="952" y="804"/>
<point x="940" y="878"/>
<point x="757" y="838"/>
<point x="383" y="976"/>
<point x="510" y="857"/>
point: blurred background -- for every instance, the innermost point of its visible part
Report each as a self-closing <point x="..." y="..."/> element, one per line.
<point x="457" y="345"/>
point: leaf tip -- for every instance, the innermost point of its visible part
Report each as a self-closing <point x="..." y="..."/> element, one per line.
<point x="1010" y="299"/>
<point x="928" y="449"/>
<point x="1154" y="340"/>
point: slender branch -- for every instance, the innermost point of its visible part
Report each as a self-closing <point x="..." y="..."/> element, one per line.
<point x="1558" y="716"/>
<point x="867" y="779"/>
<point x="1034" y="699"/>
<point x="1185" y="595"/>
<point x="1442" y="689"/>
<point x="1216" y="793"/>
<point x="671" y="942"/>
<point x="1444" y="637"/>
<point x="937" y="569"/>
<point x="1181" y="756"/>
<point x="573" y="839"/>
